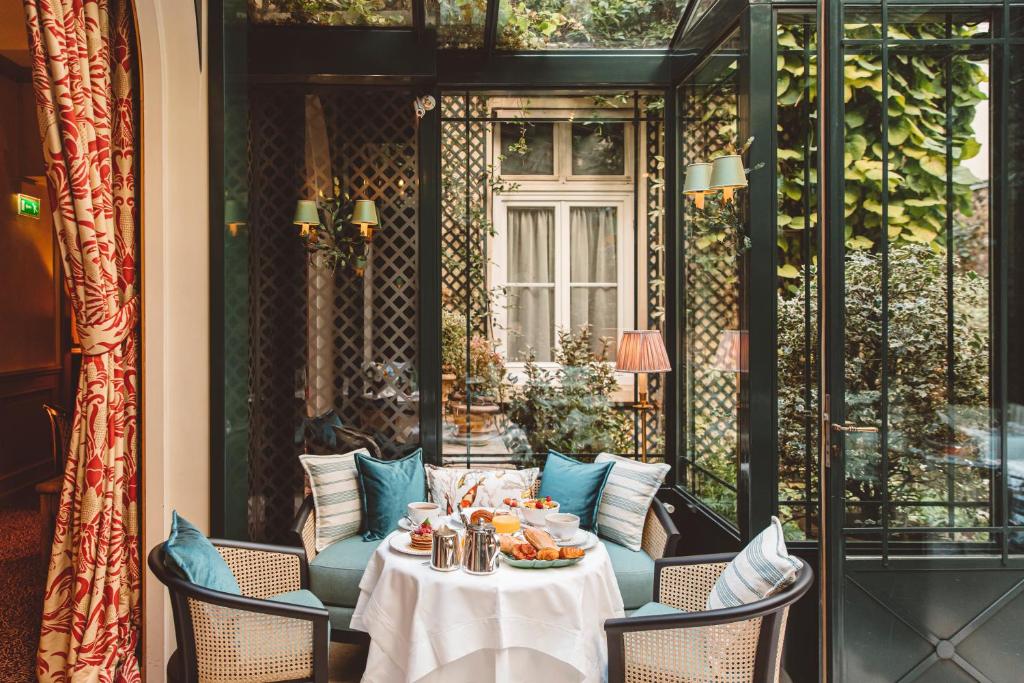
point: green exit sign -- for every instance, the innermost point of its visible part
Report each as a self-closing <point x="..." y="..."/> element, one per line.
<point x="28" y="206"/>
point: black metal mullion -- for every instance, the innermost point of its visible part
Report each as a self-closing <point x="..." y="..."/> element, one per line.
<point x="673" y="282"/>
<point x="491" y="26"/>
<point x="950" y="314"/>
<point x="639" y="420"/>
<point x="1002" y="278"/>
<point x="466" y="139"/>
<point x="884" y="407"/>
<point x="805" y="254"/>
<point x="430" y="266"/>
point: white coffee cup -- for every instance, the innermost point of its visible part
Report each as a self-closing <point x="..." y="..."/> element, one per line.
<point x="418" y="512"/>
<point x="563" y="525"/>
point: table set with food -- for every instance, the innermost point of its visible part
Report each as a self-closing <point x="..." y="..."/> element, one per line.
<point x="487" y="594"/>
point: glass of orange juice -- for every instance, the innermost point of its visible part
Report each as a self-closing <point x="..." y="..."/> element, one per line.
<point x="505" y="522"/>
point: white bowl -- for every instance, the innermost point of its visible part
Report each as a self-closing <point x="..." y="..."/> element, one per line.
<point x="535" y="517"/>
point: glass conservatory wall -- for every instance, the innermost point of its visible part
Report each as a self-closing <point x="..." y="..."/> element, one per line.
<point x="797" y="237"/>
<point x="371" y="13"/>
<point x="543" y="267"/>
<point x="581" y="24"/>
<point x="714" y="245"/>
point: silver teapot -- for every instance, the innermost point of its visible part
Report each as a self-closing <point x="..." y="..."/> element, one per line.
<point x="480" y="553"/>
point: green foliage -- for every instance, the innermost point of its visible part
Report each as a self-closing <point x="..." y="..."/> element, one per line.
<point x="569" y="408"/>
<point x="540" y="24"/>
<point x="917" y="128"/>
<point x="927" y="417"/>
<point x="453" y="340"/>
<point x="331" y="12"/>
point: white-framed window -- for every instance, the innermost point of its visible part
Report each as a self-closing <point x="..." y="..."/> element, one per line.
<point x="561" y="260"/>
<point x="567" y="153"/>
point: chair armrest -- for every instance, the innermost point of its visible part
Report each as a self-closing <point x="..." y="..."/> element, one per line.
<point x="235" y="637"/>
<point x="660" y="536"/>
<point x="263" y="570"/>
<point x="304" y="528"/>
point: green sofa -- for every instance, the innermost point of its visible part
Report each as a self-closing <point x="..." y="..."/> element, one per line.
<point x="334" y="574"/>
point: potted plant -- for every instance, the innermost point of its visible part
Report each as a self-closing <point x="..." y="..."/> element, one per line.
<point x="453" y="351"/>
<point x="477" y="399"/>
<point x="569" y="409"/>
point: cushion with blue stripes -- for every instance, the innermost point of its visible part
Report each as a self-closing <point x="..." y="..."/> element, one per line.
<point x="760" y="570"/>
<point x="626" y="499"/>
<point x="335" y="485"/>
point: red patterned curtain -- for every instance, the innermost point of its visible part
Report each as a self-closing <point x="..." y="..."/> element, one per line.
<point x="84" y="69"/>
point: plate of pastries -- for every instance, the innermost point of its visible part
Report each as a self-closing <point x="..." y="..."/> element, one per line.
<point x="534" y="548"/>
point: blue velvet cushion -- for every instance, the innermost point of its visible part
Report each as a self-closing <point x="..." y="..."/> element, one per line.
<point x="191" y="555"/>
<point x="388" y="486"/>
<point x="634" y="572"/>
<point x="576" y="486"/>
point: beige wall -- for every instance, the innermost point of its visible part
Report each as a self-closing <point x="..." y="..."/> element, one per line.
<point x="175" y="295"/>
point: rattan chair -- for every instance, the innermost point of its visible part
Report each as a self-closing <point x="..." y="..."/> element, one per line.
<point x="224" y="637"/>
<point x="733" y="645"/>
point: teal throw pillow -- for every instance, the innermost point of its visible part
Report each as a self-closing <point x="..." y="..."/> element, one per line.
<point x="576" y="486"/>
<point x="388" y="486"/>
<point x="191" y="555"/>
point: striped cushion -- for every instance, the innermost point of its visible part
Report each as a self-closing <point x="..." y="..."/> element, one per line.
<point x="626" y="499"/>
<point x="759" y="571"/>
<point x="335" y="485"/>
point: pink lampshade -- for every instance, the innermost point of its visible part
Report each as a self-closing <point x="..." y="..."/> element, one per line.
<point x="642" y="351"/>
<point x="733" y="351"/>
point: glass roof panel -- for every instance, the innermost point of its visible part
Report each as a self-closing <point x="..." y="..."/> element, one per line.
<point x="460" y="23"/>
<point x="587" y="24"/>
<point x="372" y="13"/>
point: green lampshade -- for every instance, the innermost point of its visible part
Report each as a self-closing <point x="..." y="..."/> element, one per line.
<point x="365" y="212"/>
<point x="698" y="178"/>
<point x="234" y="212"/>
<point x="306" y="213"/>
<point x="727" y="173"/>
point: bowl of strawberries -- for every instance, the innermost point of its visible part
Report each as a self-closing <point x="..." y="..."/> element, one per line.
<point x="534" y="511"/>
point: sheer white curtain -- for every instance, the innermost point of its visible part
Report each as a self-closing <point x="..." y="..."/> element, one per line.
<point x="531" y="277"/>
<point x="593" y="272"/>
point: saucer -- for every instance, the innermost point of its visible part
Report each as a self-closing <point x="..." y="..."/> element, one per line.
<point x="583" y="539"/>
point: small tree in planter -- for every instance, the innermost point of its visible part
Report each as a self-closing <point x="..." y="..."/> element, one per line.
<point x="569" y="409"/>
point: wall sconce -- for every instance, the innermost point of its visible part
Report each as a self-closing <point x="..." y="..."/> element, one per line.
<point x="234" y="216"/>
<point x="727" y="175"/>
<point x="307" y="217"/>
<point x="698" y="182"/>
<point x="365" y="216"/>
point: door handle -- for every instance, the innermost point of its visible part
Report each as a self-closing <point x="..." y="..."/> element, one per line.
<point x="854" y="429"/>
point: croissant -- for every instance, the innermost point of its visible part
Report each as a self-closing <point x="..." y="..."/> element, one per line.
<point x="570" y="553"/>
<point x="547" y="554"/>
<point x="507" y="543"/>
<point x="539" y="538"/>
<point x="524" y="551"/>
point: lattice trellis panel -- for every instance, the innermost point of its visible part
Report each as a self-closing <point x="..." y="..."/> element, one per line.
<point x="464" y="193"/>
<point x="712" y="297"/>
<point x="654" y="141"/>
<point x="328" y="340"/>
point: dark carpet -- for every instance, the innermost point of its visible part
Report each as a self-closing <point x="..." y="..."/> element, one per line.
<point x="22" y="577"/>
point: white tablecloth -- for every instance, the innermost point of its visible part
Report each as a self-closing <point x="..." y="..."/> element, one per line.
<point x="426" y="625"/>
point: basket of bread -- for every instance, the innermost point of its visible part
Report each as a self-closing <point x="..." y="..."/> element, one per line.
<point x="536" y="549"/>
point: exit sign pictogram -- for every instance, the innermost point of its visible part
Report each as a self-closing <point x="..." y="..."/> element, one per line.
<point x="28" y="206"/>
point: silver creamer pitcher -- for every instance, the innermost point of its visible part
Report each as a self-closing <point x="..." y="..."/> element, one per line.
<point x="444" y="554"/>
<point x="480" y="554"/>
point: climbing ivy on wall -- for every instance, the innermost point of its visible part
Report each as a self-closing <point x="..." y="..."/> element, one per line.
<point x="920" y="114"/>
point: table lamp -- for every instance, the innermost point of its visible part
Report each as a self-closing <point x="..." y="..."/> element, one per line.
<point x="642" y="352"/>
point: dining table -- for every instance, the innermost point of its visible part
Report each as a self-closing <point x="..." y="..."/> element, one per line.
<point x="512" y="625"/>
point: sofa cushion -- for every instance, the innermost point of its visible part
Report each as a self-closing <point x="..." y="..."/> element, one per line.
<point x="478" y="487"/>
<point x="634" y="572"/>
<point x="655" y="609"/>
<point x="576" y="486"/>
<point x="335" y="573"/>
<point x="388" y="486"/>
<point x="335" y="487"/>
<point x="762" y="569"/>
<point x="191" y="555"/>
<point x="627" y="498"/>
<point x="302" y="598"/>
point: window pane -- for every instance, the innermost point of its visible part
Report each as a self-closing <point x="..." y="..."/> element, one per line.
<point x="338" y="13"/>
<point x="531" y="322"/>
<point x="599" y="308"/>
<point x="459" y="23"/>
<point x="561" y="24"/>
<point x="528" y="148"/>
<point x="598" y="148"/>
<point x="531" y="244"/>
<point x="592" y="243"/>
